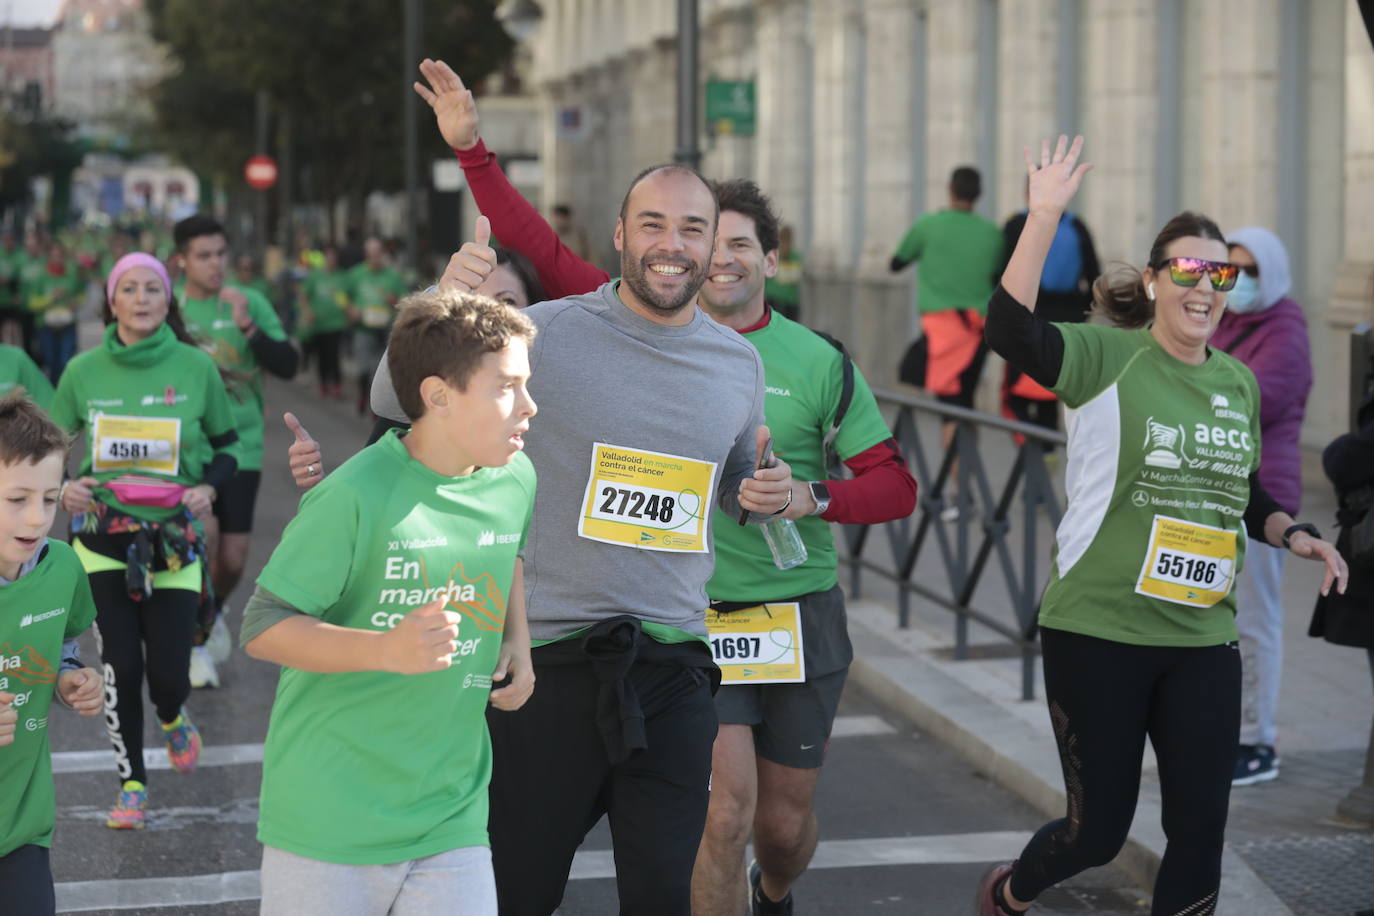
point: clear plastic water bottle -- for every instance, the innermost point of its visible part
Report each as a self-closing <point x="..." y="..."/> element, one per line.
<point x="785" y="542"/>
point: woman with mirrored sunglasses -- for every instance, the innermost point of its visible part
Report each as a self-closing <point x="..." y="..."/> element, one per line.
<point x="1266" y="330"/>
<point x="1137" y="624"/>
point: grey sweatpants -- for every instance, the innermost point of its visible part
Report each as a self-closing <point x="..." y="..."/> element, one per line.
<point x="1259" y="618"/>
<point x="457" y="883"/>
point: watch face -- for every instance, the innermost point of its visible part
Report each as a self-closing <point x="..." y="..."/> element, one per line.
<point x="819" y="491"/>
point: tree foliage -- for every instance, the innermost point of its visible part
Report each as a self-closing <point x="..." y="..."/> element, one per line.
<point x="334" y="68"/>
<point x="30" y="147"/>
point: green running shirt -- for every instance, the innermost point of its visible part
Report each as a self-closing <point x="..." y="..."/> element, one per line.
<point x="211" y="323"/>
<point x="368" y="767"/>
<point x="44" y="608"/>
<point x="18" y="371"/>
<point x="149" y="409"/>
<point x="1159" y="458"/>
<point x="959" y="253"/>
<point x="802" y="379"/>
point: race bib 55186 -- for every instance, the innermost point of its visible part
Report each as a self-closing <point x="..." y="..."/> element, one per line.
<point x="1188" y="563"/>
<point x="647" y="500"/>
<point x="137" y="443"/>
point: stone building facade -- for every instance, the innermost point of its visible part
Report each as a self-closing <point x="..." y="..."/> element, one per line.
<point x="1253" y="111"/>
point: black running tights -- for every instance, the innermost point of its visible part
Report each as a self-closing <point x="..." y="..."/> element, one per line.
<point x="327" y="356"/>
<point x="138" y="638"/>
<point x="1105" y="698"/>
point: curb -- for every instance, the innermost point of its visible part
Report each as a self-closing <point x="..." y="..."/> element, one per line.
<point x="962" y="707"/>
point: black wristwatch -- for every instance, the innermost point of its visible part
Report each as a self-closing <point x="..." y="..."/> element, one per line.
<point x="1294" y="529"/>
<point x="821" y="494"/>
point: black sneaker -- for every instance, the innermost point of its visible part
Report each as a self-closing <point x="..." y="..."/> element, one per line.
<point x="759" y="903"/>
<point x="1255" y="763"/>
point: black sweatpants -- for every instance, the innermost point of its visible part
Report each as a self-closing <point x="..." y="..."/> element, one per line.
<point x="1105" y="698"/>
<point x="26" y="882"/>
<point x="552" y="781"/>
<point x="151" y="637"/>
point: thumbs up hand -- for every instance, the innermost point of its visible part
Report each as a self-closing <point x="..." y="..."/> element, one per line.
<point x="473" y="263"/>
<point x="307" y="463"/>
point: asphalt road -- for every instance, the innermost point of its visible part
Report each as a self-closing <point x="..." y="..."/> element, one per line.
<point x="907" y="826"/>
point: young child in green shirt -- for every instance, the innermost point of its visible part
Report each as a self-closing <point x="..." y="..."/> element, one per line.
<point x="393" y="602"/>
<point x="45" y="603"/>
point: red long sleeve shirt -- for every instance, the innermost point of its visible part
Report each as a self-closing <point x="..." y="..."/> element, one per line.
<point x="882" y="488"/>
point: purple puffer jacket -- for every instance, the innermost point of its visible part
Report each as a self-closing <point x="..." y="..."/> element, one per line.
<point x="1275" y="348"/>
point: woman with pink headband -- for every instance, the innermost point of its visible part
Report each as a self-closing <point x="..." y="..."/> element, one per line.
<point x="159" y="440"/>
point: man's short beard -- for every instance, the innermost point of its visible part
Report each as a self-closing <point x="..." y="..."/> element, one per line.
<point x="635" y="276"/>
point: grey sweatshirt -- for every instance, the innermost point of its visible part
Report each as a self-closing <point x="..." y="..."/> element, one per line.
<point x="601" y="373"/>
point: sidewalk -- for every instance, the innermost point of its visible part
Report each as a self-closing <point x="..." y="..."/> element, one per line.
<point x="1286" y="852"/>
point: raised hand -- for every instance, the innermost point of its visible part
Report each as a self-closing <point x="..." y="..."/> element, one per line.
<point x="424" y="640"/>
<point x="1054" y="182"/>
<point x="307" y="463"/>
<point x="454" y="110"/>
<point x="473" y="263"/>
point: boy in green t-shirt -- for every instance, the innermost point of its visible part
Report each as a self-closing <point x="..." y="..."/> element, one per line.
<point x="393" y="602"/>
<point x="45" y="603"/>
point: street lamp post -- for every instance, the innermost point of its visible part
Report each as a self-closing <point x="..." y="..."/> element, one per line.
<point x="688" y="152"/>
<point x="410" y="45"/>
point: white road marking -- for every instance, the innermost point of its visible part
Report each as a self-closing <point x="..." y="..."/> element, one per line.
<point x="860" y="727"/>
<point x="155" y="758"/>
<point x="202" y="890"/>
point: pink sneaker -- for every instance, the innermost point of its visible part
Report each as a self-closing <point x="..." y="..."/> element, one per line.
<point x="183" y="742"/>
<point x="983" y="903"/>
<point x="127" y="814"/>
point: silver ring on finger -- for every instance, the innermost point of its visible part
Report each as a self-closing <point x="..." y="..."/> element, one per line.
<point x="310" y="470"/>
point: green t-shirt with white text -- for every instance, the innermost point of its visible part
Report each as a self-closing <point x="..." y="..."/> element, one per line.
<point x="44" y="608"/>
<point x="211" y="323"/>
<point x="18" y="371"/>
<point x="802" y="383"/>
<point x="368" y="767"/>
<point x="148" y="409"/>
<point x="1159" y="458"/>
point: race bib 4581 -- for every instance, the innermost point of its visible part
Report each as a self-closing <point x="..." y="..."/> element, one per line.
<point x="136" y="443"/>
<point x="647" y="500"/>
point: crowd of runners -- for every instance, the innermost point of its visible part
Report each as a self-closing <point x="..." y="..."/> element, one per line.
<point x="571" y="582"/>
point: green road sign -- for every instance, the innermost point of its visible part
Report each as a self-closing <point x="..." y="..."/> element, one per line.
<point x="730" y="108"/>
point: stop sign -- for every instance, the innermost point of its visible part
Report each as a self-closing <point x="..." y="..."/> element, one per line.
<point x="260" y="172"/>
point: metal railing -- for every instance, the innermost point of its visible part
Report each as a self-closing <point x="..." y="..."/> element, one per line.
<point x="1012" y="524"/>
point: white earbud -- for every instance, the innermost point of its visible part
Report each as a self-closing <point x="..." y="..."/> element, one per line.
<point x="1150" y="292"/>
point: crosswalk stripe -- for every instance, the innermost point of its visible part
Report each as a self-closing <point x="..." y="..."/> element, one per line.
<point x="860" y="727"/>
<point x="228" y="887"/>
<point x="155" y="758"/>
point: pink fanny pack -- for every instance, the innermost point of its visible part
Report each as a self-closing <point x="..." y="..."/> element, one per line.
<point x="133" y="490"/>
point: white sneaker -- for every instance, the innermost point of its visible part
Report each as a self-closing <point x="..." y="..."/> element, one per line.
<point x="203" y="673"/>
<point x="220" y="643"/>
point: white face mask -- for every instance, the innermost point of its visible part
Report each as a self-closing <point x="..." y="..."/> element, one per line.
<point x="1244" y="296"/>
